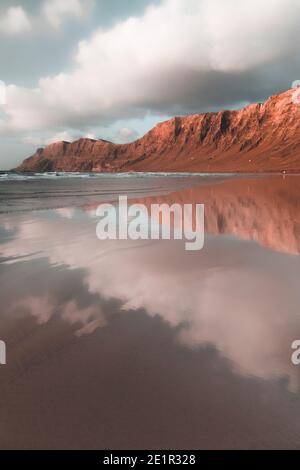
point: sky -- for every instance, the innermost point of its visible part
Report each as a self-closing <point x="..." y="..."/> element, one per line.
<point x="112" y="69"/>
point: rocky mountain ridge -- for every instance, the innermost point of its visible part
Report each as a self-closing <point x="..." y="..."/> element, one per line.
<point x="259" y="137"/>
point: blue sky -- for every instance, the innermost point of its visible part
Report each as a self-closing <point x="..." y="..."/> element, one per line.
<point x="112" y="69"/>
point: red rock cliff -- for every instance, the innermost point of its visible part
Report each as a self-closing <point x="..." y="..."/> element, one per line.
<point x="260" y="137"/>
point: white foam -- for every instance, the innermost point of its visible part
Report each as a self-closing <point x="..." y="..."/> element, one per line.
<point x="50" y="175"/>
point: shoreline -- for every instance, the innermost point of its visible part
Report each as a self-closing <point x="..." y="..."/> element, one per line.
<point x="152" y="173"/>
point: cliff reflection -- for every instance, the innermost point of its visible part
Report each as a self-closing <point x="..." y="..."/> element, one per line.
<point x="264" y="209"/>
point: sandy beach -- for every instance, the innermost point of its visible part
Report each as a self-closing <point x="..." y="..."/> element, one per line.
<point x="141" y="344"/>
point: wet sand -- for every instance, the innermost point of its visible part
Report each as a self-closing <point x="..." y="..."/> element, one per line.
<point x="141" y="344"/>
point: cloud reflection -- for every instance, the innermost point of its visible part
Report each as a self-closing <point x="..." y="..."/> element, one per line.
<point x="235" y="295"/>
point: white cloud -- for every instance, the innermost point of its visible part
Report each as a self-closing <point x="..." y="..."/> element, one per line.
<point x="15" y="21"/>
<point x="90" y="135"/>
<point x="177" y="57"/>
<point x="127" y="134"/>
<point x="39" y="141"/>
<point x="58" y="137"/>
<point x="56" y="11"/>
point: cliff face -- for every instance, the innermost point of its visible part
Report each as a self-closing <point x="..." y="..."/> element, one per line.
<point x="260" y="137"/>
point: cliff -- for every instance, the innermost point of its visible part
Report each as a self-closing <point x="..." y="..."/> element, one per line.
<point x="259" y="137"/>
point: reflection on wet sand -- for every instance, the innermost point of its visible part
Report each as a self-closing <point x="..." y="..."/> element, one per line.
<point x="142" y="344"/>
<point x="266" y="210"/>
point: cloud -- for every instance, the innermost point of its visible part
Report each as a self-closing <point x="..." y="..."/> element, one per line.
<point x="178" y="57"/>
<point x="39" y="141"/>
<point x="55" y="11"/>
<point x="252" y="328"/>
<point x="58" y="137"/>
<point x="127" y="134"/>
<point x="52" y="12"/>
<point x="15" y="21"/>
